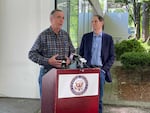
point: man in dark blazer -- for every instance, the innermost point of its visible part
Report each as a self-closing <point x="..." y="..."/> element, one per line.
<point x="97" y="48"/>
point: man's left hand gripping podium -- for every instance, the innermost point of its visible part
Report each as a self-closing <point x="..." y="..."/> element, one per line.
<point x="70" y="91"/>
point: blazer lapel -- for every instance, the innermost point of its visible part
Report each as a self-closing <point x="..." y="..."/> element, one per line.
<point x="89" y="43"/>
<point x="103" y="45"/>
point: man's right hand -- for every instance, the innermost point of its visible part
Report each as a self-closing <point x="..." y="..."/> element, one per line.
<point x="56" y="63"/>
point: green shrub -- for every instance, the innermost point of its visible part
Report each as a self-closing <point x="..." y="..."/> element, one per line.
<point x="135" y="59"/>
<point x="128" y="46"/>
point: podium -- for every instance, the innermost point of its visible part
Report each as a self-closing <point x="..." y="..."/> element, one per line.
<point x="70" y="91"/>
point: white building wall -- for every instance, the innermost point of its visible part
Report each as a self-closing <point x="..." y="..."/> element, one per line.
<point x="20" y="23"/>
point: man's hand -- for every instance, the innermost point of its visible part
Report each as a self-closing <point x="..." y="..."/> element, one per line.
<point x="56" y="63"/>
<point x="67" y="60"/>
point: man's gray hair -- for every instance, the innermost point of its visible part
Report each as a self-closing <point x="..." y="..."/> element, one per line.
<point x="55" y="10"/>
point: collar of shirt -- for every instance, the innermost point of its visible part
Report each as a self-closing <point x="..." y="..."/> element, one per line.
<point x="60" y="32"/>
<point x="99" y="35"/>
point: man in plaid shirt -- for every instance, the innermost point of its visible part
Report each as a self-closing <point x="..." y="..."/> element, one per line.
<point x="52" y="46"/>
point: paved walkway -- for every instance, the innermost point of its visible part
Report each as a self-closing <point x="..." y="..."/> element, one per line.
<point x="15" y="105"/>
<point x="125" y="109"/>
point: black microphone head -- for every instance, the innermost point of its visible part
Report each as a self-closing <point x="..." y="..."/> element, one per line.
<point x="76" y="56"/>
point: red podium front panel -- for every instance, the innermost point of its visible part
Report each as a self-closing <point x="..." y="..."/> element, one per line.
<point x="71" y="91"/>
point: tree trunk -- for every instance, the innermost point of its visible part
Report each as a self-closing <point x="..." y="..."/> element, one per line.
<point x="137" y="20"/>
<point x="146" y="22"/>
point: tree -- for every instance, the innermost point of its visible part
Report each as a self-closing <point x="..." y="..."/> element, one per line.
<point x="133" y="7"/>
<point x="135" y="13"/>
<point x="146" y="22"/>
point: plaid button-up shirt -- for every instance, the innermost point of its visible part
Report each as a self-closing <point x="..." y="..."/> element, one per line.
<point x="48" y="44"/>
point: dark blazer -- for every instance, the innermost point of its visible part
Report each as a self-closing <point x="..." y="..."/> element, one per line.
<point x="107" y="52"/>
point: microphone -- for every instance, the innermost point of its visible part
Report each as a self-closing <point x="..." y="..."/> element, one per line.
<point x="63" y="59"/>
<point x="63" y="64"/>
<point x="81" y="62"/>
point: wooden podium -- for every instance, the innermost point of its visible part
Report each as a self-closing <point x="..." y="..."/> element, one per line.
<point x="70" y="91"/>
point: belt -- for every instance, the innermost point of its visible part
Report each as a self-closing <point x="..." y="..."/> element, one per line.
<point x="95" y="66"/>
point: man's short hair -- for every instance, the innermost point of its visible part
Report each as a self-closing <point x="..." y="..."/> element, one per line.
<point x="100" y="18"/>
<point x="55" y="10"/>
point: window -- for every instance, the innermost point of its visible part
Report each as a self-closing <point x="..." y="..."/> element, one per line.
<point x="77" y="18"/>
